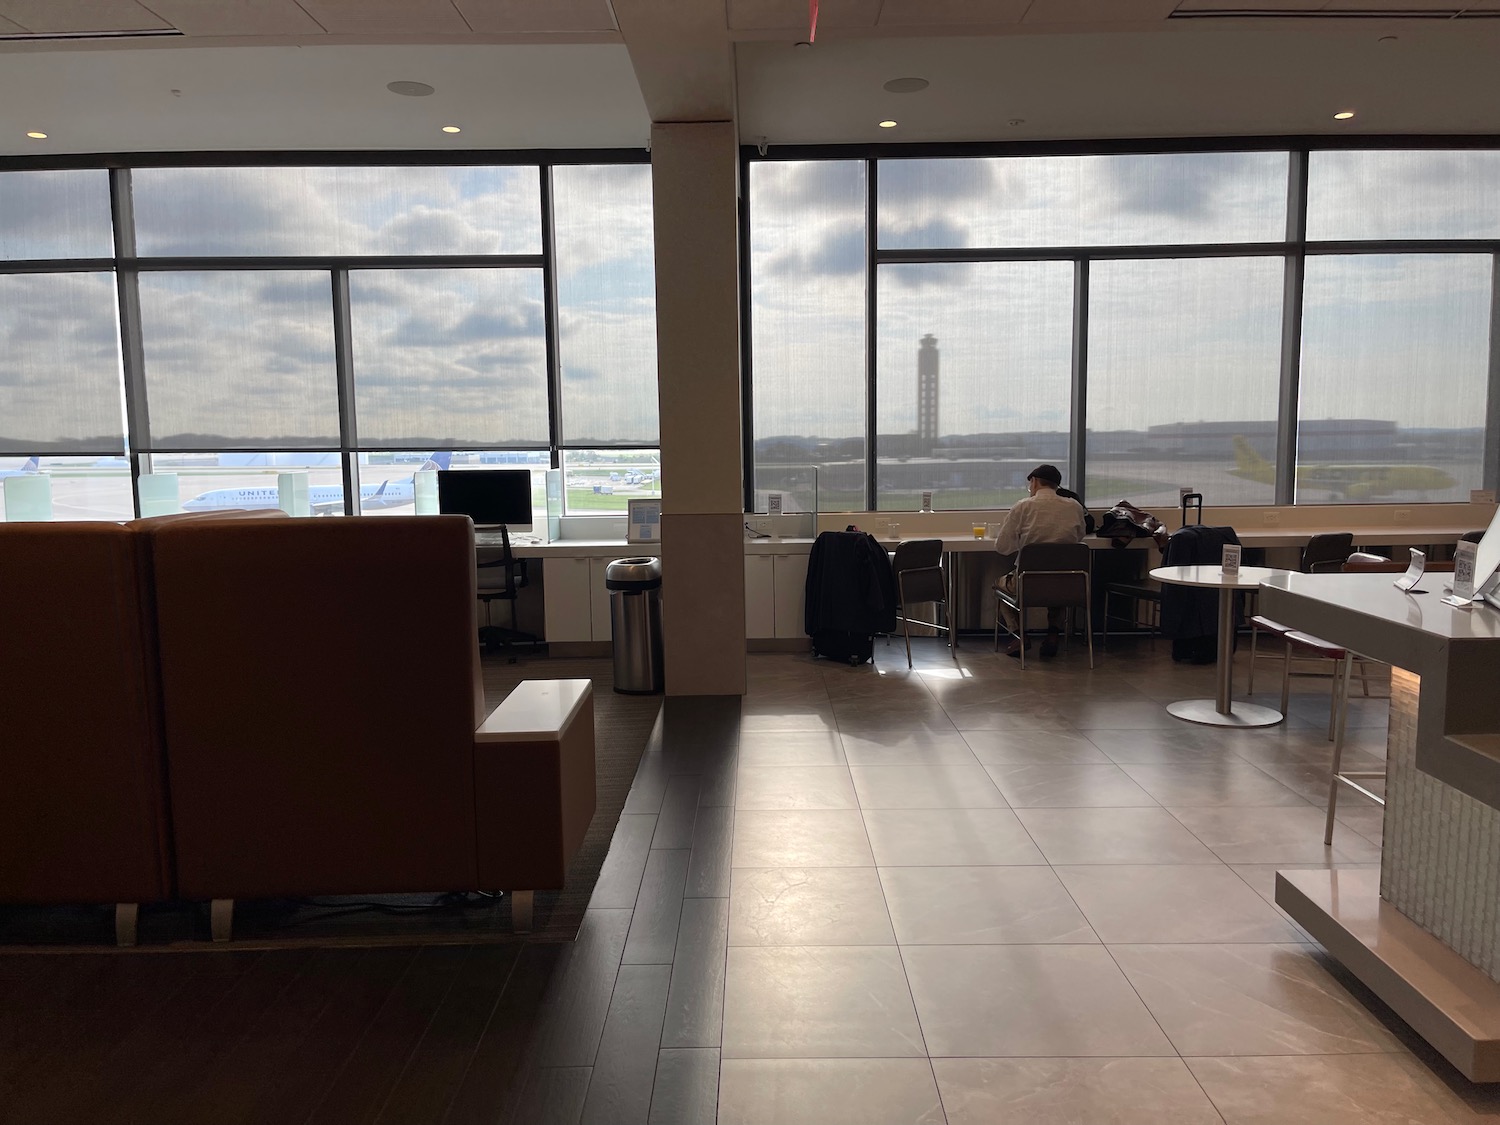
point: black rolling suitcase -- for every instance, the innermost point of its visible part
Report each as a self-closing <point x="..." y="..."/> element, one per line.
<point x="846" y="648"/>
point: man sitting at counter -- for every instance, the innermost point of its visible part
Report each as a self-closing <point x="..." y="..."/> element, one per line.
<point x="1042" y="517"/>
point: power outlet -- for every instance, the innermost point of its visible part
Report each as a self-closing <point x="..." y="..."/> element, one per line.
<point x="762" y="524"/>
<point x="1272" y="517"/>
<point x="1403" y="515"/>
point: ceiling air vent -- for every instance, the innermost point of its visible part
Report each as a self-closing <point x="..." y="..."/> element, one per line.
<point x="1458" y="12"/>
<point x="46" y="36"/>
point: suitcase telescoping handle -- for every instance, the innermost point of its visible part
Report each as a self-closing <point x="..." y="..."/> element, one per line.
<point x="1194" y="498"/>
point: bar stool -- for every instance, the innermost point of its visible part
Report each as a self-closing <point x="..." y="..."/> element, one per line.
<point x="1341" y="776"/>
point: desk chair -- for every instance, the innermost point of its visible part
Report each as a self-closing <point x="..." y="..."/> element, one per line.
<point x="1050" y="575"/>
<point x="516" y="578"/>
<point x="1326" y="551"/>
<point x="919" y="578"/>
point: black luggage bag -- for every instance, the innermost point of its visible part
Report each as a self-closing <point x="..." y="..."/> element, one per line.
<point x="846" y="648"/>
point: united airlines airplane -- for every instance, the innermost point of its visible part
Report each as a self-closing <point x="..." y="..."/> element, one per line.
<point x="323" y="499"/>
<point x="32" y="466"/>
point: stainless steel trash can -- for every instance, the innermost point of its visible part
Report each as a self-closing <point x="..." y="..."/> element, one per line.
<point x="634" y="587"/>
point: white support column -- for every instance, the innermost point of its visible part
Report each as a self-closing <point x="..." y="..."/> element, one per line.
<point x="695" y="181"/>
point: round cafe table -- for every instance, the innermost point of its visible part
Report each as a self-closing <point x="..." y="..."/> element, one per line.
<point x="1219" y="712"/>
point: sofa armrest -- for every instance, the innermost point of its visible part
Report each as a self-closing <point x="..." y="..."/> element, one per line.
<point x="534" y="793"/>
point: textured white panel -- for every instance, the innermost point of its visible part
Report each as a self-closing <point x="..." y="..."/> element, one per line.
<point x="792" y="15"/>
<point x="387" y="17"/>
<point x="1099" y="11"/>
<point x="239" y="17"/>
<point x="62" y="17"/>
<point x="950" y="13"/>
<point x="501" y="17"/>
<point x="1441" y="860"/>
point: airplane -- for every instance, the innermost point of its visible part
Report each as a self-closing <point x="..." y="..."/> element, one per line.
<point x="1349" y="482"/>
<point x="32" y="466"/>
<point x="323" y="499"/>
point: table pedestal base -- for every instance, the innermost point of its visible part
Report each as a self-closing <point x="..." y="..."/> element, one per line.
<point x="1207" y="711"/>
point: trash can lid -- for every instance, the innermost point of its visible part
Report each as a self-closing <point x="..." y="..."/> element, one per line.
<point x="643" y="573"/>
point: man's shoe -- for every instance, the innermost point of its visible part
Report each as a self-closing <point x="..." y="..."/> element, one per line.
<point x="1049" y="647"/>
<point x="1015" y="649"/>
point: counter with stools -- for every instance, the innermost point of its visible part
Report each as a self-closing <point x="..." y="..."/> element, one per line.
<point x="1423" y="933"/>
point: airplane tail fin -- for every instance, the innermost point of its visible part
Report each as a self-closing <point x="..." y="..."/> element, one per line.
<point x="439" y="460"/>
<point x="1246" y="460"/>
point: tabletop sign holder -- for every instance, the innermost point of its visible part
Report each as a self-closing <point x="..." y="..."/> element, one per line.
<point x="644" y="521"/>
<point x="1464" y="594"/>
<point x="926" y="501"/>
<point x="1229" y="566"/>
<point x="773" y="503"/>
<point x="1413" y="575"/>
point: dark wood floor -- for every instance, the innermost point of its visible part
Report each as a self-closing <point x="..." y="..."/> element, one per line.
<point x="450" y="1034"/>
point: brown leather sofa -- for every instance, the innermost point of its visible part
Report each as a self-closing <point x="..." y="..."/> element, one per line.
<point x="321" y="692"/>
<point x="83" y="811"/>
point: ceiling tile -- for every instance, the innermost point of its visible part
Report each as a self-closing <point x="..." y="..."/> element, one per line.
<point x="8" y="27"/>
<point x="387" y="17"/>
<point x="64" y="17"/>
<point x="500" y="17"/>
<point x="951" y="13"/>
<point x="1099" y="11"/>
<point x="1251" y="5"/>
<point x="791" y="15"/>
<point x="242" y="17"/>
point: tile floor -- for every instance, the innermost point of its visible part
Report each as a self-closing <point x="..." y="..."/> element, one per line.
<point x="971" y="894"/>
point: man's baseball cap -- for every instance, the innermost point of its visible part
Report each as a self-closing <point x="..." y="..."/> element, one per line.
<point x="1048" y="474"/>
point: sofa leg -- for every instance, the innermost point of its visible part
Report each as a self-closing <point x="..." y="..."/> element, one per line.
<point x="520" y="911"/>
<point x="221" y="918"/>
<point x="125" y="916"/>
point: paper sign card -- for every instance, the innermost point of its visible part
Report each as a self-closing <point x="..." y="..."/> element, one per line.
<point x="1463" y="570"/>
<point x="1413" y="573"/>
<point x="1230" y="566"/>
<point x="645" y="521"/>
<point x="773" y="503"/>
<point x="926" y="501"/>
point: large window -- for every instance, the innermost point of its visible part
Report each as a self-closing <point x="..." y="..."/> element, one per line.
<point x="1183" y="361"/>
<point x="973" y="380"/>
<point x="1146" y="321"/>
<point x="343" y="322"/>
<point x="1395" y="357"/>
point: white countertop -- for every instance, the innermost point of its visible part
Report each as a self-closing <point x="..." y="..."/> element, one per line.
<point x="536" y="710"/>
<point x="1376" y="596"/>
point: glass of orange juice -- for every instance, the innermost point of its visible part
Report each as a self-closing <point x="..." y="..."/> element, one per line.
<point x="979" y="530"/>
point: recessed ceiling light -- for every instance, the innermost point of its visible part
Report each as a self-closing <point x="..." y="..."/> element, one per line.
<point x="1343" y="115"/>
<point x="409" y="89"/>
<point x="907" y="85"/>
<point x="36" y="136"/>
<point x="887" y="124"/>
<point x="451" y="129"/>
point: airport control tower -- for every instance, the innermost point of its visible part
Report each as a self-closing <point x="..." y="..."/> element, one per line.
<point x="927" y="392"/>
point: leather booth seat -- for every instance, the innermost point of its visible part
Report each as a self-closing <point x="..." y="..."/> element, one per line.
<point x="321" y="690"/>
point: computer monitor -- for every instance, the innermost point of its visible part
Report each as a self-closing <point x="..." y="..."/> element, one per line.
<point x="489" y="497"/>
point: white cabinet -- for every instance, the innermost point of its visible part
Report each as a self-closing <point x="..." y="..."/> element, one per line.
<point x="569" y="614"/>
<point x="774" y="587"/>
<point x="577" y="604"/>
<point x="760" y="596"/>
<point x="599" y="599"/>
<point x="791" y="584"/>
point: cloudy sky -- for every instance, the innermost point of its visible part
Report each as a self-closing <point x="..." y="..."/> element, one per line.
<point x="440" y="355"/>
<point x="457" y="355"/>
<point x="1398" y="338"/>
